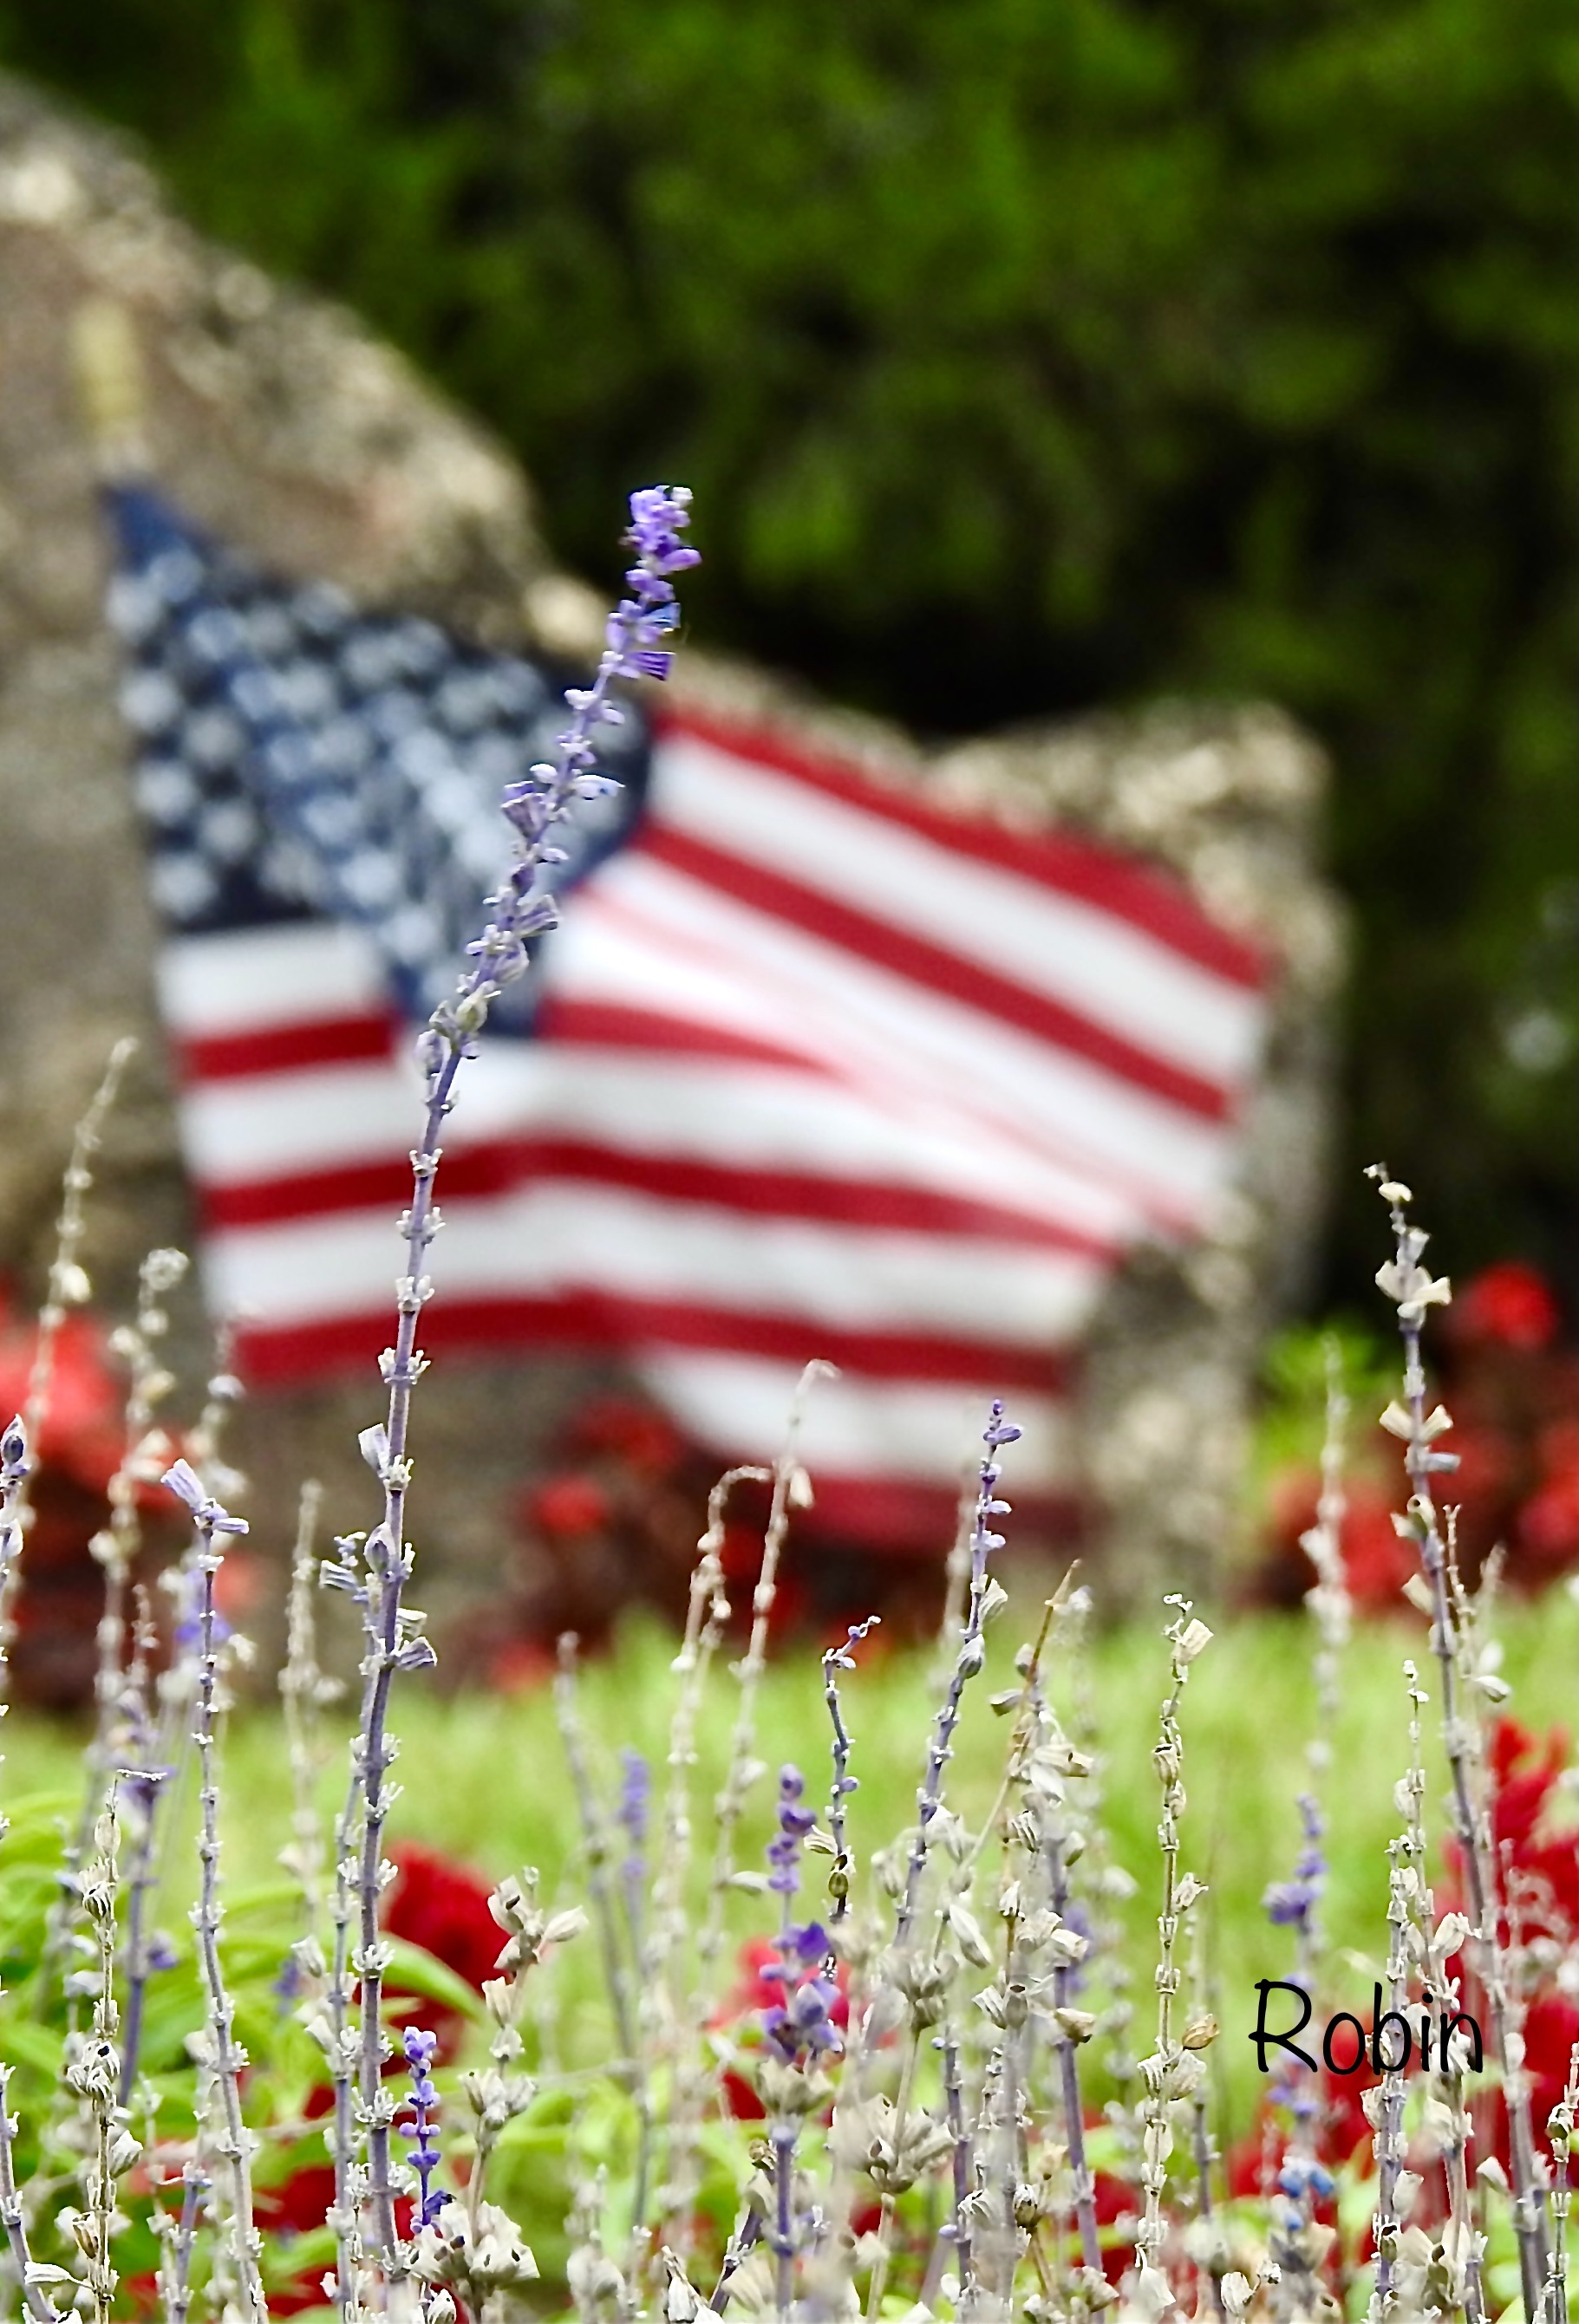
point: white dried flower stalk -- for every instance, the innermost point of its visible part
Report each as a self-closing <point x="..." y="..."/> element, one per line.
<point x="1172" y="2070"/>
<point x="68" y="1286"/>
<point x="1413" y="1290"/>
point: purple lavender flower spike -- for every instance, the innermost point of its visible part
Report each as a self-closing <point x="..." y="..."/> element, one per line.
<point x="794" y="1823"/>
<point x="799" y="2025"/>
<point x="1292" y="1904"/>
<point x="520" y="909"/>
<point x="418" y="2047"/>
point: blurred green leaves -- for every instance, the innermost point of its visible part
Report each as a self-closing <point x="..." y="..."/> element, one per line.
<point x="1021" y="356"/>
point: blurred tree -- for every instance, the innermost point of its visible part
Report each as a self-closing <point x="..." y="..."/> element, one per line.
<point x="1023" y="356"/>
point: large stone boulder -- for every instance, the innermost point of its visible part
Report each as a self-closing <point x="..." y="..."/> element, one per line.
<point x="277" y="420"/>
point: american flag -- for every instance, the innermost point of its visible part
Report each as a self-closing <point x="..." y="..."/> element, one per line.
<point x="812" y="1068"/>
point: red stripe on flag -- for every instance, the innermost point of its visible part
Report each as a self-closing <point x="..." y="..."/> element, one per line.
<point x="929" y="965"/>
<point x="283" y="1048"/>
<point x="274" y="1355"/>
<point x="607" y="1024"/>
<point x="1100" y="876"/>
<point x="499" y="1167"/>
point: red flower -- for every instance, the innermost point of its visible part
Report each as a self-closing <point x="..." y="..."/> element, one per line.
<point x="636" y="1432"/>
<point x="1508" y="1305"/>
<point x="83" y="1428"/>
<point x="1376" y="1562"/>
<point x="570" y="1507"/>
<point x="441" y="1906"/>
<point x="437" y="1903"/>
<point x="1548" y="1521"/>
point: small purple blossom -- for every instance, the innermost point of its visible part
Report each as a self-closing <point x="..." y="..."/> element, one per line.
<point x="794" y="1823"/>
<point x="1305" y="2180"/>
<point x="185" y="1483"/>
<point x="1292" y="1904"/>
<point x="799" y="2025"/>
<point x="418" y="2046"/>
<point x="636" y="1798"/>
<point x="659" y="514"/>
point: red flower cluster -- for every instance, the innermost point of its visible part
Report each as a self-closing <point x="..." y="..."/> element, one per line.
<point x="79" y="1448"/>
<point x="615" y="1527"/>
<point x="437" y="1903"/>
<point x="1540" y="1885"/>
<point x="1541" y="1870"/>
<point x="1511" y="1383"/>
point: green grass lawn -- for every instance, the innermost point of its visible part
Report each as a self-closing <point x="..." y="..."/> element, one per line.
<point x="485" y="1778"/>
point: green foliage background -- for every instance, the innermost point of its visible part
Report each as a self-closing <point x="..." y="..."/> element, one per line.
<point x="1024" y="355"/>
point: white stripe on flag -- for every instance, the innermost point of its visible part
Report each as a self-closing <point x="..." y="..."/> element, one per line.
<point x="853" y="1427"/>
<point x="555" y="1237"/>
<point x="938" y="1050"/>
<point x="1101" y="965"/>
<point x="247" y="980"/>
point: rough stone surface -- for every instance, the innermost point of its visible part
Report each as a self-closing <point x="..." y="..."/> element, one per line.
<point x="277" y="420"/>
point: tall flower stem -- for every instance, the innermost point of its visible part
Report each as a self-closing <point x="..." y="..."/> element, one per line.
<point x="1171" y="2067"/>
<point x="520" y="911"/>
<point x="596" y="1847"/>
<point x="15" y="1466"/>
<point x="835" y="1660"/>
<point x="1065" y="2049"/>
<point x="35" y="2300"/>
<point x="67" y="1289"/>
<point x="1414" y="1289"/>
<point x="664" y="1957"/>
<point x="969" y="1658"/>
<point x="790" y="1488"/>
<point x="226" y="2057"/>
<point x="303" y="1692"/>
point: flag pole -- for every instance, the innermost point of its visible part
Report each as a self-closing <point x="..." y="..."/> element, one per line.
<point x="111" y="386"/>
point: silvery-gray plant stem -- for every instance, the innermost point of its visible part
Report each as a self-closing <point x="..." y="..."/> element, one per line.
<point x="114" y="1549"/>
<point x="595" y="1845"/>
<point x="341" y="2053"/>
<point x="1560" y="2129"/>
<point x="1186" y="1639"/>
<point x="1410" y="1285"/>
<point x="835" y="1660"/>
<point x="741" y="2244"/>
<point x="147" y="1774"/>
<point x="1389" y="2134"/>
<point x="969" y="1658"/>
<point x="68" y="1287"/>
<point x="228" y="2056"/>
<point x="1068" y="2058"/>
<point x="663" y="1962"/>
<point x="303" y="1691"/>
<point x="35" y="2299"/>
<point x="789" y="1484"/>
<point x="1329" y="1603"/>
<point x="520" y="914"/>
<point x="1449" y="2084"/>
<point x="176" y="2285"/>
<point x="782" y="2140"/>
<point x="15" y="1469"/>
<point x="741" y="1771"/>
<point x="960" y="2163"/>
<point x="116" y="1546"/>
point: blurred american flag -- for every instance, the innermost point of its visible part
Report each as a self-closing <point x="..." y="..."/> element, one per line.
<point x="811" y="1068"/>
